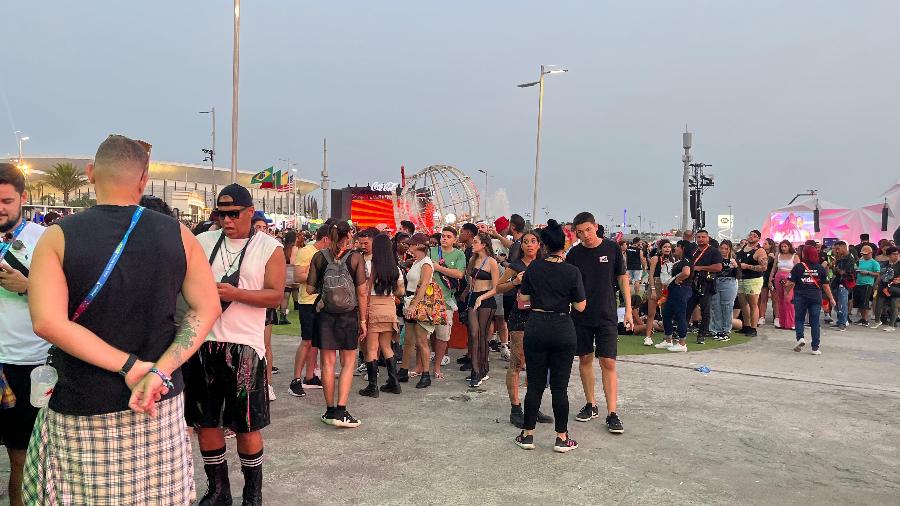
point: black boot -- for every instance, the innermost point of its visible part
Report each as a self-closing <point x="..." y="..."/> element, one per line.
<point x="516" y="417"/>
<point x="219" y="491"/>
<point x="252" y="495"/>
<point x="424" y="380"/>
<point x="403" y="376"/>
<point x="372" y="389"/>
<point x="392" y="385"/>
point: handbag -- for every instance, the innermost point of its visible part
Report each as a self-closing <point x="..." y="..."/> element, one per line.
<point x="432" y="309"/>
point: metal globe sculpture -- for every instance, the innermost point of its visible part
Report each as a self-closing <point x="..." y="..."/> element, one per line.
<point x="439" y="195"/>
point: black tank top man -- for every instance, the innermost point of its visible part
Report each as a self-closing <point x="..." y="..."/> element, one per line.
<point x="135" y="310"/>
<point x="633" y="258"/>
<point x="746" y="257"/>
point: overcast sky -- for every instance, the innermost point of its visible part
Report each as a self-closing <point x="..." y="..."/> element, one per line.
<point x="781" y="96"/>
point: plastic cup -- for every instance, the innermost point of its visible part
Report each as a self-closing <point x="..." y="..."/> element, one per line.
<point x="43" y="379"/>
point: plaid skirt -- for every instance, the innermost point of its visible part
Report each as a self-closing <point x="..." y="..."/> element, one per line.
<point x="122" y="458"/>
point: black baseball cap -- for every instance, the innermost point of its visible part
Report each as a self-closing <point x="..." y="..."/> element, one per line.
<point x="234" y="195"/>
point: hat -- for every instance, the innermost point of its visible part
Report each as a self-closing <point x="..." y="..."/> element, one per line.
<point x="234" y="195"/>
<point x="418" y="239"/>
<point x="261" y="216"/>
<point x="501" y="223"/>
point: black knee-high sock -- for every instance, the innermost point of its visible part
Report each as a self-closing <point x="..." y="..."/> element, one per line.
<point x="251" y="460"/>
<point x="213" y="457"/>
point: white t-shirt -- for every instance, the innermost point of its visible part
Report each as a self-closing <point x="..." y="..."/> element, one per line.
<point x="18" y="343"/>
<point x="415" y="273"/>
<point x="240" y="323"/>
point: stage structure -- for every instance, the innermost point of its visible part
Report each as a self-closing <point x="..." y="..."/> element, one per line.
<point x="438" y="195"/>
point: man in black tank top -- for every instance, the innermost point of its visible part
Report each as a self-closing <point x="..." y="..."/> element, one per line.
<point x="753" y="262"/>
<point x="117" y="351"/>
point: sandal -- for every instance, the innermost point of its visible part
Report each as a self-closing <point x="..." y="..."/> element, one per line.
<point x="413" y="374"/>
<point x="439" y="375"/>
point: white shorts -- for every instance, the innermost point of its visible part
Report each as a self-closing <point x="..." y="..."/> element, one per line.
<point x="442" y="332"/>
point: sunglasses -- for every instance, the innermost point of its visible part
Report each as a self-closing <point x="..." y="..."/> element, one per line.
<point x="231" y="214"/>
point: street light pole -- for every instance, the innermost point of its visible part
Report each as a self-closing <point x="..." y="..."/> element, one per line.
<point x="211" y="153"/>
<point x="686" y="139"/>
<point x="21" y="140"/>
<point x="537" y="154"/>
<point x="235" y="77"/>
<point x="485" y="192"/>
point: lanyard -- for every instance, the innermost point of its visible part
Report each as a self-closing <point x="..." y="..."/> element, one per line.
<point x="5" y="246"/>
<point x="698" y="257"/>
<point x="113" y="260"/>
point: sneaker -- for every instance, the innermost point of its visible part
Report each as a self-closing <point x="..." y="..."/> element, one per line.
<point x="494" y="345"/>
<point x="701" y="339"/>
<point x="563" y="446"/>
<point x="517" y="418"/>
<point x="816" y="352"/>
<point x="463" y="359"/>
<point x="475" y="381"/>
<point x="761" y="322"/>
<point x="544" y="418"/>
<point x="485" y="377"/>
<point x="841" y="328"/>
<point x="328" y="417"/>
<point x="467" y="366"/>
<point x="776" y="323"/>
<point x="678" y="347"/>
<point x="296" y="388"/>
<point x="648" y="341"/>
<point x="313" y="382"/>
<point x="663" y="345"/>
<point x="432" y="357"/>
<point x="613" y="424"/>
<point x="800" y="344"/>
<point x="889" y="328"/>
<point x="272" y="394"/>
<point x="274" y="370"/>
<point x="346" y="421"/>
<point x="445" y="361"/>
<point x="504" y="353"/>
<point x="229" y="434"/>
<point x="863" y="323"/>
<point x="875" y="325"/>
<point x="587" y="413"/>
<point x="751" y="332"/>
<point x="724" y="337"/>
<point x="525" y="442"/>
<point x="360" y="370"/>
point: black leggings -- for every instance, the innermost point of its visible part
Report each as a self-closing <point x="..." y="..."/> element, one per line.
<point x="479" y="332"/>
<point x="549" y="347"/>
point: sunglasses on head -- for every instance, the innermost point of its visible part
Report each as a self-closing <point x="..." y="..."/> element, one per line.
<point x="230" y="214"/>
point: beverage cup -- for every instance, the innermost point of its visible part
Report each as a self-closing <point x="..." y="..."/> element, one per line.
<point x="43" y="379"/>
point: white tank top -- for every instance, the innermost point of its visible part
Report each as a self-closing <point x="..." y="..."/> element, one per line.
<point x="785" y="265"/>
<point x="665" y="273"/>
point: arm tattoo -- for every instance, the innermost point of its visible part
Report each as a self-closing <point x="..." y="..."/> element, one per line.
<point x="186" y="335"/>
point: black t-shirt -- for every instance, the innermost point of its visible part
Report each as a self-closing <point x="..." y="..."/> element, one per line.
<point x="517" y="267"/>
<point x="633" y="258"/>
<point x="514" y="257"/>
<point x="677" y="268"/>
<point x="809" y="278"/>
<point x="552" y="286"/>
<point x="356" y="264"/>
<point x="599" y="268"/>
<point x="706" y="257"/>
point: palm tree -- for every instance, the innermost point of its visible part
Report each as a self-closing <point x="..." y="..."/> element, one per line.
<point x="66" y="178"/>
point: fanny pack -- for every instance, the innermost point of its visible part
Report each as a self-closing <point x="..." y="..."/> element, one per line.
<point x="233" y="278"/>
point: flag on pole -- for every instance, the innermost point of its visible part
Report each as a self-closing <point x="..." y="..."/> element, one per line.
<point x="264" y="178"/>
<point x="275" y="182"/>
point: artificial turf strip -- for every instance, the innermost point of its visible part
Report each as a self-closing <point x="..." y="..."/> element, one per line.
<point x="634" y="345"/>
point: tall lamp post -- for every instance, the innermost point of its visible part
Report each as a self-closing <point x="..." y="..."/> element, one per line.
<point x="291" y="171"/>
<point x="545" y="69"/>
<point x="21" y="140"/>
<point x="686" y="139"/>
<point x="485" y="192"/>
<point x="235" y="77"/>
<point x="211" y="153"/>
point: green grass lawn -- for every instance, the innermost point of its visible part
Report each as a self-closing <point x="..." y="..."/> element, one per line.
<point x="628" y="345"/>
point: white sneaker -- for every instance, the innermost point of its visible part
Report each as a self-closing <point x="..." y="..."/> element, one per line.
<point x="800" y="344"/>
<point x="432" y="357"/>
<point x="663" y="345"/>
<point x="816" y="352"/>
<point x="776" y="323"/>
<point x="445" y="360"/>
<point x="677" y="347"/>
<point x="889" y="328"/>
<point x="504" y="353"/>
<point x="271" y="394"/>
<point x="648" y="341"/>
<point x="875" y="325"/>
<point x="762" y="321"/>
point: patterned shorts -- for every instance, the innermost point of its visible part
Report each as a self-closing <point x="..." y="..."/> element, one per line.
<point x="122" y="458"/>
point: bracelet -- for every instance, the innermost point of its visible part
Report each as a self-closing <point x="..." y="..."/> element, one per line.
<point x="167" y="381"/>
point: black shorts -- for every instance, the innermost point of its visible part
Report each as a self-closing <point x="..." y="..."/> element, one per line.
<point x="16" y="422"/>
<point x="308" y="318"/>
<point x="226" y="387"/>
<point x="271" y="316"/>
<point x="601" y="340"/>
<point x="337" y="331"/>
<point x="516" y="319"/>
<point x="862" y="296"/>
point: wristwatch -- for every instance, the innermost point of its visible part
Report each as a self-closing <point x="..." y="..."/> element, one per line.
<point x="132" y="358"/>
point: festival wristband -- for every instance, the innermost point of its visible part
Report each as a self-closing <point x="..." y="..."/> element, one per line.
<point x="166" y="380"/>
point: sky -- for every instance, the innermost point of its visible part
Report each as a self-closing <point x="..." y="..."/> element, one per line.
<point x="781" y="96"/>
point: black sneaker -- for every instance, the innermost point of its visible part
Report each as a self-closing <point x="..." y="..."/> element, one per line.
<point x="494" y="345"/>
<point x="542" y="418"/>
<point x="475" y="381"/>
<point x="613" y="424"/>
<point x="725" y="337"/>
<point x="701" y="339"/>
<point x="565" y="445"/>
<point x="517" y="418"/>
<point x="346" y="421"/>
<point x="313" y="382"/>
<point x="296" y="388"/>
<point x="403" y="375"/>
<point x="274" y="370"/>
<point x="463" y="359"/>
<point x="525" y="442"/>
<point x="467" y="366"/>
<point x="587" y="413"/>
<point x="840" y="328"/>
<point x="328" y="417"/>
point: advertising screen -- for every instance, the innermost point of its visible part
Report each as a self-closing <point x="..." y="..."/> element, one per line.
<point x="796" y="226"/>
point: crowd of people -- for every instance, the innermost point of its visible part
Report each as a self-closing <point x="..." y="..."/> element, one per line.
<point x="159" y="334"/>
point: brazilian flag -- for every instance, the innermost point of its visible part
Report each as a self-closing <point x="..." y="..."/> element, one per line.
<point x="264" y="178"/>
